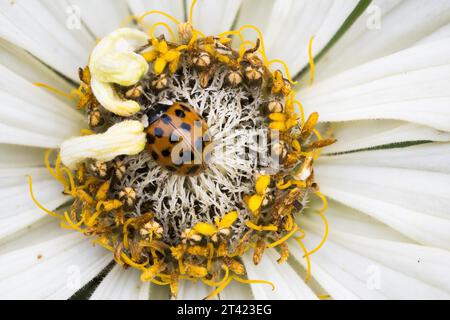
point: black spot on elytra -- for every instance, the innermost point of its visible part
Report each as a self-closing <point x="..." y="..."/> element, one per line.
<point x="166" y="119"/>
<point x="166" y="152"/>
<point x="171" y="169"/>
<point x="150" y="139"/>
<point x="193" y="170"/>
<point x="185" y="108"/>
<point x="158" y="110"/>
<point x="159" y="132"/>
<point x="186" y="126"/>
<point x="180" y="113"/>
<point x="155" y="155"/>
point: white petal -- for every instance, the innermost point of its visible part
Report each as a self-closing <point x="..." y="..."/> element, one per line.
<point x="18" y="210"/>
<point x="214" y="17"/>
<point x="412" y="85"/>
<point x="236" y="291"/>
<point x="113" y="11"/>
<point x="62" y="48"/>
<point x="121" y="284"/>
<point x="188" y="290"/>
<point x="345" y="274"/>
<point x="413" y="202"/>
<point x="28" y="67"/>
<point x="15" y="85"/>
<point x="352" y="229"/>
<point x="51" y="270"/>
<point x="441" y="33"/>
<point x="12" y="156"/>
<point x="45" y="229"/>
<point x="357" y="135"/>
<point x="292" y="23"/>
<point x="365" y="41"/>
<point x="288" y="283"/>
<point x="174" y="8"/>
<point x="21" y="121"/>
<point x="429" y="156"/>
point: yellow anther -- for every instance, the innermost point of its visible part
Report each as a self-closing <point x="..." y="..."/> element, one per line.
<point x="102" y="192"/>
<point x="195" y="271"/>
<point x="227" y="220"/>
<point x="255" y="202"/>
<point x="277" y="116"/>
<point x="296" y="145"/>
<point x="262" y="183"/>
<point x="205" y="229"/>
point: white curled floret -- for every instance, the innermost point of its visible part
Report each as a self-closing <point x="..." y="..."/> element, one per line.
<point x="124" y="138"/>
<point x="113" y="60"/>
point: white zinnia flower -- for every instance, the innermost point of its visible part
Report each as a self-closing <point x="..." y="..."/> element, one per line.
<point x="382" y="89"/>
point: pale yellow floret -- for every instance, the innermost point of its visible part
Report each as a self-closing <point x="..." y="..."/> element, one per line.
<point x="113" y="60"/>
<point x="124" y="138"/>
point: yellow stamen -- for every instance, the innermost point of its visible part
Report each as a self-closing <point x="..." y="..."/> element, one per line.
<point x="71" y="224"/>
<point x="311" y="60"/>
<point x="263" y="49"/>
<point x="72" y="95"/>
<point x="325" y="221"/>
<point x="221" y="282"/>
<point x="283" y="239"/>
<point x="247" y="281"/>
<point x="49" y="212"/>
<point x="71" y="180"/>
<point x="302" y="111"/>
<point x="285" y="67"/>
<point x="307" y="257"/>
<point x="130" y="262"/>
<point x="191" y="11"/>
<point x="142" y="17"/>
<point x="169" y="29"/>
<point x="125" y="232"/>
<point x="220" y="288"/>
<point x="253" y="226"/>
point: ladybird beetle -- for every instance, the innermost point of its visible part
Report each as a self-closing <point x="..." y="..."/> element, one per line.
<point x="177" y="139"/>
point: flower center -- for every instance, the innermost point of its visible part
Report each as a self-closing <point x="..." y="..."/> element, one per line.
<point x="196" y="153"/>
